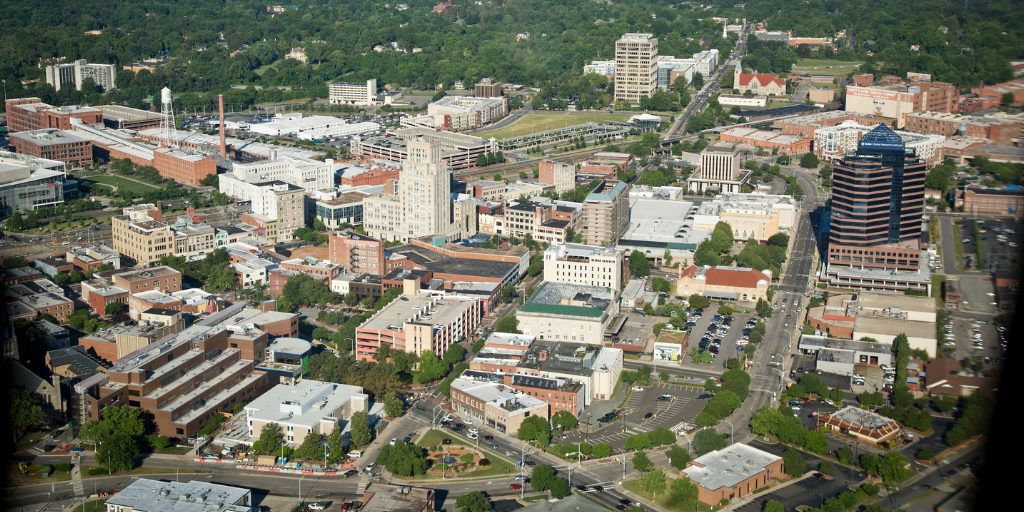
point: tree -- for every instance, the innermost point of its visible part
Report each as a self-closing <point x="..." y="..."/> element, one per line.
<point x="560" y="488"/>
<point x="641" y="462"/>
<point x="698" y="301"/>
<point x="336" y="443"/>
<point x="639" y="265"/>
<point x="403" y="459"/>
<point x="668" y="257"/>
<point x="15" y="223"/>
<point x="892" y="467"/>
<point x="827" y="467"/>
<point x="661" y="436"/>
<point x="845" y="455"/>
<point x="793" y="462"/>
<point x="509" y="324"/>
<point x="270" y="438"/>
<point x="678" y="457"/>
<point x="564" y="420"/>
<point x="454" y="354"/>
<point x="475" y="501"/>
<point x="763" y="308"/>
<point x="638" y="442"/>
<point x="698" y="81"/>
<point x="809" y="160"/>
<point x="311" y="449"/>
<point x="869" y="463"/>
<point x="708" y="440"/>
<point x="535" y="428"/>
<point x="925" y="454"/>
<point x="653" y="482"/>
<point x="393" y="405"/>
<point x="944" y="402"/>
<point x="361" y="433"/>
<point x="815" y="442"/>
<point x="774" y="506"/>
<point x="115" y="308"/>
<point x="118" y="451"/>
<point x="684" y="493"/>
<point x="26" y="412"/>
<point x="541" y="477"/>
<point x="602" y="450"/>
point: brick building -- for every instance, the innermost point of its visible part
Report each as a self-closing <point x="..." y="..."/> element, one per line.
<point x="357" y="253"/>
<point x="27" y="114"/>
<point x="53" y="144"/>
<point x="183" y="167"/>
<point x="999" y="131"/>
<point x="785" y="144"/>
<point x="734" y="472"/>
<point x="989" y="201"/>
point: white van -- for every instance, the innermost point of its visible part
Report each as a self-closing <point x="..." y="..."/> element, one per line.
<point x="355" y="454"/>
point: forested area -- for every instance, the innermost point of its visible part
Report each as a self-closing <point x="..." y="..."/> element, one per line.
<point x="465" y="43"/>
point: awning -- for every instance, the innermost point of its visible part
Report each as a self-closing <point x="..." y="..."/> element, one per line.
<point x="721" y="295"/>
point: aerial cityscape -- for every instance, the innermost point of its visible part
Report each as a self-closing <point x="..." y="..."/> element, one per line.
<point x="491" y="255"/>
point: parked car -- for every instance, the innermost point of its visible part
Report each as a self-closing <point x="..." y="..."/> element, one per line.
<point x="638" y="388"/>
<point x="515" y="487"/>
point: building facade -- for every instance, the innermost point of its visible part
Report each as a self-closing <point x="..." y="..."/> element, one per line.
<point x="53" y="144"/>
<point x="606" y="213"/>
<point x="561" y="175"/>
<point x="719" y="168"/>
<point x="74" y="73"/>
<point x="353" y="93"/>
<point x="724" y="283"/>
<point x="636" y="67"/>
<point x="358" y="254"/>
<point x="141" y="235"/>
<point x="584" y="264"/>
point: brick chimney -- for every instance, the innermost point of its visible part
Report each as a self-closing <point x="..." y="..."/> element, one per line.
<point x="220" y="108"/>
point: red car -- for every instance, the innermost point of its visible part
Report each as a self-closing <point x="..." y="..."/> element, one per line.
<point x="807" y="400"/>
<point x="515" y="487"/>
<point x="346" y="506"/>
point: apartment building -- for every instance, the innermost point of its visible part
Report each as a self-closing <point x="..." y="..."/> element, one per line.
<point x="487" y="88"/>
<point x="353" y="93"/>
<point x="636" y="67"/>
<point x="31" y="298"/>
<point x="560" y="175"/>
<point x="584" y="264"/>
<point x="141" y="235"/>
<point x="897" y="100"/>
<point x="277" y="207"/>
<point x="53" y="144"/>
<point x="62" y="75"/>
<point x="193" y="240"/>
<point x="999" y="131"/>
<point x="357" y="253"/>
<point x="606" y="213"/>
<point x="321" y="270"/>
<point x="307" y="407"/>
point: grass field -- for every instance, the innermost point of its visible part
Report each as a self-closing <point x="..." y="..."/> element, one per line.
<point x="92" y="506"/>
<point x="827" y="67"/>
<point x="540" y="122"/>
<point x="126" y="184"/>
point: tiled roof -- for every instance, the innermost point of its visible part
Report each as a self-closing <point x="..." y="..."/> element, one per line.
<point x="762" y="79"/>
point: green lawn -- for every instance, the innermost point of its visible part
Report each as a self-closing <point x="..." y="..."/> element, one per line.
<point x="827" y="67"/>
<point x="263" y="69"/>
<point x="498" y="466"/>
<point x="541" y="122"/>
<point x="937" y="280"/>
<point x="120" y="182"/>
<point x="92" y="506"/>
<point x="664" y="499"/>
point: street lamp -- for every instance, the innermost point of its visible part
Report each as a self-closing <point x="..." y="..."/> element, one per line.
<point x="324" y="442"/>
<point x="732" y="432"/>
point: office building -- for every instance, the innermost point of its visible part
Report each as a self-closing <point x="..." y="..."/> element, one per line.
<point x="877" y="203"/>
<point x="53" y="144"/>
<point x="545" y="220"/>
<point x="768" y="140"/>
<point x="738" y="284"/>
<point x="27" y="183"/>
<point x="897" y="100"/>
<point x="1014" y="88"/>
<point x="458" y="151"/>
<point x="335" y="208"/>
<point x="560" y="175"/>
<point x="311" y="175"/>
<point x="605" y="213"/>
<point x="141" y="235"/>
<point x="706" y="62"/>
<point x="421" y="204"/>
<point x="487" y="88"/>
<point x="670" y="68"/>
<point x="307" y="407"/>
<point x="601" y="67"/>
<point x="734" y="472"/>
<point x="839" y="356"/>
<point x="93" y="258"/>
<point x="495" y="405"/>
<point x="422" y="321"/>
<point x="636" y="67"/>
<point x="719" y="169"/>
<point x="64" y="75"/>
<point x="596" y="367"/>
<point x="27" y="114"/>
<point x="584" y="264"/>
<point x="755" y="215"/>
<point x="353" y="93"/>
<point x="120" y="340"/>
<point x="569" y="312"/>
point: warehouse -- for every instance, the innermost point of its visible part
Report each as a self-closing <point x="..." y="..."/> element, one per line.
<point x="312" y="127"/>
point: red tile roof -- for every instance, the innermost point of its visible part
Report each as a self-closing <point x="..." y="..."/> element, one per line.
<point x="762" y="79"/>
<point x="728" y="276"/>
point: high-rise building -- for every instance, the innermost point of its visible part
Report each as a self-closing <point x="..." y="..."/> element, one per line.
<point x="877" y="203"/>
<point x="606" y="213"/>
<point x="278" y="208"/>
<point x="103" y="75"/>
<point x="584" y="264"/>
<point x="561" y="175"/>
<point x="421" y="203"/>
<point x="141" y="235"/>
<point x="487" y="88"/>
<point x="636" y="67"/>
<point x="719" y="168"/>
<point x="353" y="93"/>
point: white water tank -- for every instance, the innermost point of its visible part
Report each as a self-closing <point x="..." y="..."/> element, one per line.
<point x="165" y="95"/>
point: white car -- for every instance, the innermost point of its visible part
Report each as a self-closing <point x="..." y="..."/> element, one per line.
<point x="828" y="401"/>
<point x="638" y="388"/>
<point x="394" y="440"/>
<point x="474" y="431"/>
<point x="471" y="436"/>
<point x="448" y="418"/>
<point x="315" y="506"/>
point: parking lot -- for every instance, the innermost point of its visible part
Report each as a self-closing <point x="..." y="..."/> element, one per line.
<point x="728" y="347"/>
<point x="638" y="329"/>
<point x="963" y="334"/>
<point x="809" y="491"/>
<point x="687" y="402"/>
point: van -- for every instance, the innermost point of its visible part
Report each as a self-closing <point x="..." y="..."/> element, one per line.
<point x="355" y="454"/>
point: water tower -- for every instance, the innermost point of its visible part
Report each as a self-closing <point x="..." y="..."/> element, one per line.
<point x="166" y="118"/>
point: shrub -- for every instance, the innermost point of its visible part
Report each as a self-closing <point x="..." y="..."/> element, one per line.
<point x="96" y="471"/>
<point x="65" y="467"/>
<point x="466" y="457"/>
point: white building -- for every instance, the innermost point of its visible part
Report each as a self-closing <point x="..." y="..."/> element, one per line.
<point x="669" y="68"/>
<point x="636" y="67"/>
<point x="253" y="271"/>
<point x="312" y="127"/>
<point x="753" y="215"/>
<point x="103" y="74"/>
<point x="740" y="100"/>
<point x="583" y="264"/>
<point x="145" y="495"/>
<point x="308" y="407"/>
<point x="834" y="142"/>
<point x="302" y="172"/>
<point x="706" y="62"/>
<point x="459" y="113"/>
<point x="601" y="67"/>
<point x="567" y="312"/>
<point x="353" y="93"/>
<point x="280" y="206"/>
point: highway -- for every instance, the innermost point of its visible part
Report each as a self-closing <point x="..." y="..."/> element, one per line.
<point x="712" y="87"/>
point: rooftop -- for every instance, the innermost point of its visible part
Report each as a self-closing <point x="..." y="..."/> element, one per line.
<point x="497" y="395"/>
<point x="145" y="495"/>
<point x="442" y="263"/>
<point x="423" y="308"/>
<point x="381" y="497"/>
<point x="558" y="298"/>
<point x="862" y="418"/>
<point x="569" y="358"/>
<point x="729" y="466"/>
<point x="306" y="402"/>
<point x="48" y="137"/>
<point x="290" y="345"/>
<point x="808" y="342"/>
<point x="899" y="301"/>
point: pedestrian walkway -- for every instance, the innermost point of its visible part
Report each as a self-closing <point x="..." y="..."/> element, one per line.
<point x="76" y="474"/>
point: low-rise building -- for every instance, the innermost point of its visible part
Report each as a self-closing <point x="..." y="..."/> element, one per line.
<point x="502" y="353"/>
<point x="495" y="405"/>
<point x="608" y="163"/>
<point x="380" y="497"/>
<point x="879" y="318"/>
<point x="989" y="201"/>
<point x="775" y="141"/>
<point x="27" y="114"/>
<point x="569" y="312"/>
<point x="946" y="375"/>
<point x="670" y="346"/>
<point x="838" y="356"/>
<point x="757" y="216"/>
<point x="120" y="340"/>
<point x="339" y="208"/>
<point x="144" y="301"/>
<point x="353" y="93"/>
<point x="584" y="264"/>
<point x="762" y="84"/>
<point x="28" y="183"/>
<point x="145" y="495"/>
<point x="307" y="407"/>
<point x="719" y="169"/>
<point x="358" y="253"/>
<point x="724" y="283"/>
<point x="740" y="100"/>
<point x="286" y="359"/>
<point x="73" y="362"/>
<point x="863" y="425"/>
<point x="734" y="472"/>
<point x="419" y="321"/>
<point x="361" y="285"/>
<point x="596" y="367"/>
<point x="93" y="258"/>
<point x="53" y="144"/>
<point x="52" y="266"/>
<point x="999" y="131"/>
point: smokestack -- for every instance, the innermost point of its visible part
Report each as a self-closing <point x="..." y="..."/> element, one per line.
<point x="220" y="108"/>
